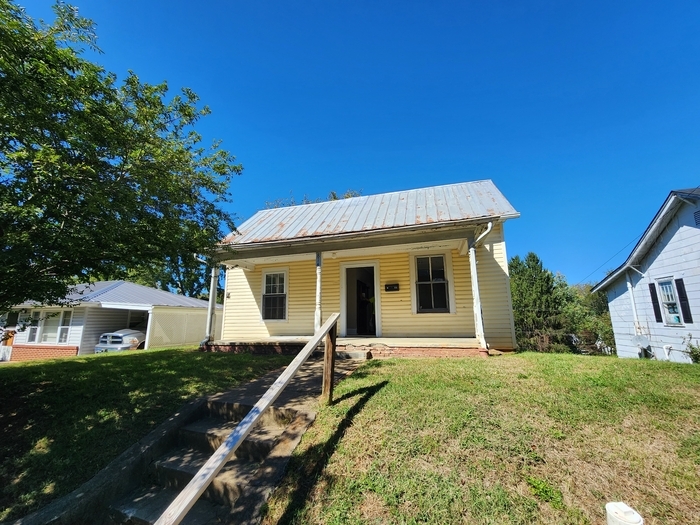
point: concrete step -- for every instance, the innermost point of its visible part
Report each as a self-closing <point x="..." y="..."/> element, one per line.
<point x="145" y="505"/>
<point x="177" y="468"/>
<point x="207" y="434"/>
<point x="223" y="407"/>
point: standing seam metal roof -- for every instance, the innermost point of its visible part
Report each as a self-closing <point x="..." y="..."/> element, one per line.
<point x="131" y="293"/>
<point x="386" y="211"/>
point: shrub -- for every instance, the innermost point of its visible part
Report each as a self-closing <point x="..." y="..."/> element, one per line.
<point x="693" y="349"/>
<point x="559" y="348"/>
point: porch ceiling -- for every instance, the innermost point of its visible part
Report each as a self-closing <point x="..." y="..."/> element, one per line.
<point x="452" y="244"/>
<point x="369" y="242"/>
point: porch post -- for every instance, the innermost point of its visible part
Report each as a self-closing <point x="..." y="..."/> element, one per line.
<point x="211" y="310"/>
<point x="478" y="318"/>
<point x="481" y="234"/>
<point x="317" y="313"/>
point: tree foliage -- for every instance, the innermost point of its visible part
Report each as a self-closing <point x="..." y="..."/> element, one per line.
<point x="185" y="275"/>
<point x="291" y="201"/>
<point x="537" y="303"/>
<point x="550" y="315"/>
<point x="96" y="177"/>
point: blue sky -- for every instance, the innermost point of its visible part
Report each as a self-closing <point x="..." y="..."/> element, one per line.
<point x="584" y="114"/>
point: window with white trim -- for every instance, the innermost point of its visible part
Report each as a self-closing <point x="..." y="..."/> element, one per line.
<point x="49" y="327"/>
<point x="274" y="299"/>
<point x="432" y="290"/>
<point x="64" y="327"/>
<point x="33" y="329"/>
<point x="669" y="303"/>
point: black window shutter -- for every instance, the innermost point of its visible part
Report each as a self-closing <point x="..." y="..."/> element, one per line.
<point x="683" y="299"/>
<point x="655" y="303"/>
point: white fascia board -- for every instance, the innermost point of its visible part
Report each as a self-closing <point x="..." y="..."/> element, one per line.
<point x="658" y="223"/>
<point x="127" y="306"/>
<point x="164" y="308"/>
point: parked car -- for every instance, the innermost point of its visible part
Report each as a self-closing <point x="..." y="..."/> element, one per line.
<point x="124" y="339"/>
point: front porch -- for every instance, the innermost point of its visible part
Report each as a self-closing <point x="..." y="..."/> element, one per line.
<point x="360" y="347"/>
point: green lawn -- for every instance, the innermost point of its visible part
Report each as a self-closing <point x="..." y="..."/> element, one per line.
<point x="528" y="438"/>
<point x="61" y="421"/>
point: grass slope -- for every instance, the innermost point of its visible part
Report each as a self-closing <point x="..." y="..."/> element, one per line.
<point x="61" y="421"/>
<point x="511" y="440"/>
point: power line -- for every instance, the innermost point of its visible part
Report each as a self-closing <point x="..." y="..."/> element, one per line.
<point x="610" y="259"/>
<point x="625" y="246"/>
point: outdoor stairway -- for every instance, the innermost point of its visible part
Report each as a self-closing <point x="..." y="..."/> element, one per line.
<point x="236" y="491"/>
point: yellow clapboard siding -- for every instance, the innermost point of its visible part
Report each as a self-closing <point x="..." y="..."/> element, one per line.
<point x="242" y="318"/>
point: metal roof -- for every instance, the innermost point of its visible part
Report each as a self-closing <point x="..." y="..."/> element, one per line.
<point x="130" y="293"/>
<point x="437" y="205"/>
<point x="650" y="235"/>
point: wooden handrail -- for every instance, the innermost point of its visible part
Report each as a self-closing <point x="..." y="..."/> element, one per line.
<point x="199" y="483"/>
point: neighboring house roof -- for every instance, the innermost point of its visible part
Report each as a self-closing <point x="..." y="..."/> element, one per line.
<point x="115" y="292"/>
<point x="453" y="204"/>
<point x="671" y="205"/>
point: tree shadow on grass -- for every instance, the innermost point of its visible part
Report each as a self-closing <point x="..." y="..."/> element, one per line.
<point x="308" y="467"/>
<point x="62" y="421"/>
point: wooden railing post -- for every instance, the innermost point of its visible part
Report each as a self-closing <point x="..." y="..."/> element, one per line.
<point x="329" y="366"/>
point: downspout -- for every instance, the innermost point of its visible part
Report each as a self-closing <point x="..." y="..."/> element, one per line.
<point x="317" y="312"/>
<point x="630" y="289"/>
<point x="211" y="310"/>
<point x="478" y="317"/>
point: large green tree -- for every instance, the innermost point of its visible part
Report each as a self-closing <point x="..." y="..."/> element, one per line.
<point x="538" y="299"/>
<point x="96" y="176"/>
<point x="550" y="315"/>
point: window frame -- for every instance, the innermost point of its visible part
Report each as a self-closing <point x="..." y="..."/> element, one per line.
<point x="265" y="273"/>
<point x="449" y="277"/>
<point x="664" y="304"/>
<point x="35" y="332"/>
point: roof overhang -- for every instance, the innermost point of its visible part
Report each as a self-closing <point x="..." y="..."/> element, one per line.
<point x="674" y="201"/>
<point x="355" y="240"/>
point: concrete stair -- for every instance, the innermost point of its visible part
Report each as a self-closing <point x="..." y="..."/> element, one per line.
<point x="255" y="464"/>
<point x="138" y="485"/>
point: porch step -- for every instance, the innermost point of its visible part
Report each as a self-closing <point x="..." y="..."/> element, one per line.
<point x="177" y="469"/>
<point x="221" y="406"/>
<point x="145" y="505"/>
<point x="209" y="433"/>
<point x="268" y="445"/>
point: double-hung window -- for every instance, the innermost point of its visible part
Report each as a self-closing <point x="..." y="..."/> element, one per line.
<point x="670" y="305"/>
<point x="33" y="329"/>
<point x="432" y="290"/>
<point x="274" y="300"/>
<point x="53" y="327"/>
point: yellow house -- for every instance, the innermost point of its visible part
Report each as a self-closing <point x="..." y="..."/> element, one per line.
<point x="418" y="271"/>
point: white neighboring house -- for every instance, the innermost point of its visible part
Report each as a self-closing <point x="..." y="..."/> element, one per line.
<point x="654" y="296"/>
<point x="167" y="319"/>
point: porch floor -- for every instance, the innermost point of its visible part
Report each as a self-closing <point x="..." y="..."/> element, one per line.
<point x="367" y="341"/>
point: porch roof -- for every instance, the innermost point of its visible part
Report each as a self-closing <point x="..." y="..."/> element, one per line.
<point x="434" y="212"/>
<point x="125" y="293"/>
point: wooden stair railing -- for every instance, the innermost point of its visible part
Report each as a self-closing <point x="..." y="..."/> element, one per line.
<point x="177" y="510"/>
